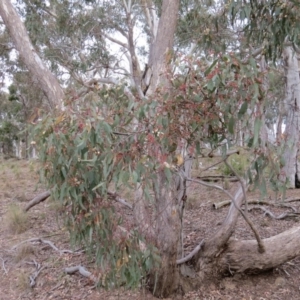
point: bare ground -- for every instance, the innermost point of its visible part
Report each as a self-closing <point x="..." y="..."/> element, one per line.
<point x="19" y="184"/>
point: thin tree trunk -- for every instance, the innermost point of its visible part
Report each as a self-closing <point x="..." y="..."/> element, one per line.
<point x="167" y="228"/>
<point x="48" y="82"/>
<point x="216" y="244"/>
<point x="292" y="106"/>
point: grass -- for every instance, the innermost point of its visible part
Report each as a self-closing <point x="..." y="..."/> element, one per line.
<point x="16" y="219"/>
<point x="23" y="251"/>
<point x="23" y="281"/>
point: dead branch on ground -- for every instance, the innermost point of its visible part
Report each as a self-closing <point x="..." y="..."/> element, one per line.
<point x="33" y="277"/>
<point x="49" y="244"/>
<point x="3" y="265"/>
<point x="83" y="272"/>
<point x="228" y="202"/>
<point x="36" y="200"/>
<point x="271" y="215"/>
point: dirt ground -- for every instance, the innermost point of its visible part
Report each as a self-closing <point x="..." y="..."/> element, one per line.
<point x="21" y="261"/>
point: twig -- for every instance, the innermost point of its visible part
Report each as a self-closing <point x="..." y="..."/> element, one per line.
<point x="48" y="243"/>
<point x="119" y="199"/>
<point x="291" y="199"/>
<point x="228" y="202"/>
<point x="190" y="255"/>
<point x="3" y="266"/>
<point x="33" y="277"/>
<point x="270" y="214"/>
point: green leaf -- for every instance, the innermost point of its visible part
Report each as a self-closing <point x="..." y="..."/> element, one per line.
<point x="210" y="85"/>
<point x="231" y="124"/>
<point x="257" y="126"/>
<point x="207" y="71"/>
<point x="242" y="110"/>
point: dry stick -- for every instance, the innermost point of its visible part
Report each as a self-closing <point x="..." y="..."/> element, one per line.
<point x="34" y="276"/>
<point x="227" y="202"/>
<point x="82" y="271"/>
<point x="261" y="247"/>
<point x="3" y="266"/>
<point x="48" y="243"/>
<point x="270" y="214"/>
<point x="190" y="255"/>
<point x="291" y="199"/>
<point x="116" y="197"/>
<point x="36" y="200"/>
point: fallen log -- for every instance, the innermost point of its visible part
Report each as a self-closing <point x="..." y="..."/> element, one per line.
<point x="243" y="256"/>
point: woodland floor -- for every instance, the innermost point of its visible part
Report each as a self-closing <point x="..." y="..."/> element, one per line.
<point x="19" y="184"/>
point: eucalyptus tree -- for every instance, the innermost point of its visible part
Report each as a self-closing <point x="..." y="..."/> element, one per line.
<point x="119" y="124"/>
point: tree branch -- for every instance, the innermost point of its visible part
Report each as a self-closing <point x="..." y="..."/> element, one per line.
<point x="36" y="200"/>
<point x="191" y="254"/>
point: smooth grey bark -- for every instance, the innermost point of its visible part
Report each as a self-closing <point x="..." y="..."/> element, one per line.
<point x="48" y="82"/>
<point x="292" y="111"/>
<point x="215" y="245"/>
<point x="161" y="48"/>
<point x="242" y="256"/>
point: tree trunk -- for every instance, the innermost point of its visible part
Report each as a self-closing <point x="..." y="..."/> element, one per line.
<point x="292" y="106"/>
<point x="161" y="48"/>
<point x="167" y="227"/>
<point x="48" y="82"/>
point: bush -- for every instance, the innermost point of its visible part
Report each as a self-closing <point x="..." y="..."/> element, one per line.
<point x="84" y="157"/>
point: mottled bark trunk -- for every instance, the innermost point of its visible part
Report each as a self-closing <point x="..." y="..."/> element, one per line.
<point x="167" y="228"/>
<point x="292" y="106"/>
<point x="47" y="81"/>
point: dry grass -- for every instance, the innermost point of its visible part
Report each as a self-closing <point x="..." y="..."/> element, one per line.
<point x="16" y="219"/>
<point x="23" y="281"/>
<point x="23" y="251"/>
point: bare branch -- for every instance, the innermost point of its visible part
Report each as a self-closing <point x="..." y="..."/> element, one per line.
<point x="3" y="266"/>
<point x="120" y="200"/>
<point x="227" y="202"/>
<point x="36" y="200"/>
<point x="47" y="243"/>
<point x="82" y="271"/>
<point x="33" y="277"/>
<point x="270" y="214"/>
<point x="249" y="222"/>
<point x="116" y="41"/>
<point x="191" y="254"/>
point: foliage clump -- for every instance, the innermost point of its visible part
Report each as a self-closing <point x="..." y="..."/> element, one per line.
<point x="110" y="139"/>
